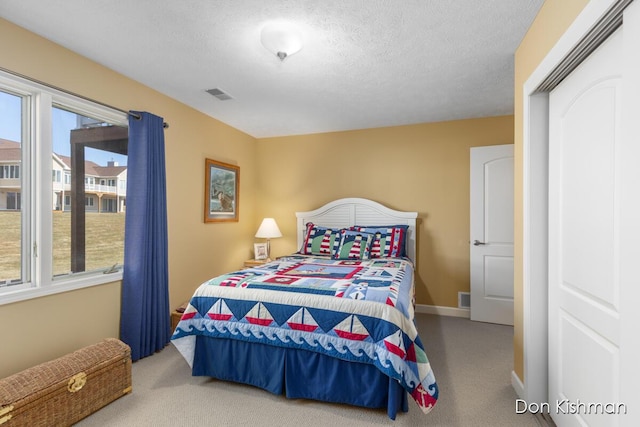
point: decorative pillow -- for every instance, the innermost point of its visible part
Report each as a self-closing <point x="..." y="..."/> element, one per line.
<point x="389" y="240"/>
<point x="354" y="245"/>
<point x="320" y="240"/>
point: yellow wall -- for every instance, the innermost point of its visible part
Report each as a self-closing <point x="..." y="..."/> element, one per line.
<point x="40" y="329"/>
<point x="552" y="21"/>
<point x="423" y="168"/>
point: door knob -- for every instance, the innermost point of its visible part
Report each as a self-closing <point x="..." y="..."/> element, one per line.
<point x="478" y="243"/>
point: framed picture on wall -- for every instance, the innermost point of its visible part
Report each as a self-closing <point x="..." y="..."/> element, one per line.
<point x="221" y="191"/>
<point x="260" y="251"/>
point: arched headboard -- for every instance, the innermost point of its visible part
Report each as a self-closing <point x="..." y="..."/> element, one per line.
<point x="343" y="213"/>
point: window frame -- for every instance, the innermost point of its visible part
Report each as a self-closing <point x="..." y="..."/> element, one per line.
<point x="37" y="198"/>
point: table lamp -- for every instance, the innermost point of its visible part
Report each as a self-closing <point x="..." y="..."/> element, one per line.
<point x="268" y="230"/>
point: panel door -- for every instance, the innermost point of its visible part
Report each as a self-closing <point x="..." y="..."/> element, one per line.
<point x="584" y="231"/>
<point x="491" y="234"/>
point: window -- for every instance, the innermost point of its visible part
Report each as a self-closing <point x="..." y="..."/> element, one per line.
<point x="11" y="218"/>
<point x="55" y="235"/>
<point x="10" y="171"/>
<point x="13" y="201"/>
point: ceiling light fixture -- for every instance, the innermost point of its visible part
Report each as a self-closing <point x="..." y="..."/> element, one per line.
<point x="281" y="38"/>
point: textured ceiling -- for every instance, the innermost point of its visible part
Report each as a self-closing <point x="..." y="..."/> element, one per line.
<point x="364" y="63"/>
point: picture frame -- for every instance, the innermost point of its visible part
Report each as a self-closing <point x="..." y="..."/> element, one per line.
<point x="260" y="251"/>
<point x="221" y="192"/>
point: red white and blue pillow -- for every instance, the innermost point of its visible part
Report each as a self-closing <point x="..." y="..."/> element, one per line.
<point x="389" y="240"/>
<point x="320" y="240"/>
<point x="354" y="245"/>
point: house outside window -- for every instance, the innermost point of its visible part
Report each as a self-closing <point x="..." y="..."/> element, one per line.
<point x="61" y="239"/>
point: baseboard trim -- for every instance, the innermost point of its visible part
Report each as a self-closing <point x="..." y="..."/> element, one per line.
<point x="517" y="385"/>
<point x="443" y="311"/>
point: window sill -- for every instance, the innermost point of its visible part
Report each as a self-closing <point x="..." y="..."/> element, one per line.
<point x="9" y="295"/>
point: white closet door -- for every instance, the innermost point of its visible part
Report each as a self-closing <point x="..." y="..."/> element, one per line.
<point x="585" y="179"/>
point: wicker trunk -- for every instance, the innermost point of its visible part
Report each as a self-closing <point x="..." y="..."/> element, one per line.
<point x="65" y="390"/>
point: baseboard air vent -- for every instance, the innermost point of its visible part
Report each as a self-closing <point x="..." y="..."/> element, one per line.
<point x="464" y="300"/>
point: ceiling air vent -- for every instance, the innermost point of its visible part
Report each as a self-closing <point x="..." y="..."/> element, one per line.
<point x="219" y="94"/>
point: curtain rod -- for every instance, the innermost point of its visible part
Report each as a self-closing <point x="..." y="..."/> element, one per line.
<point x="136" y="116"/>
<point x="22" y="76"/>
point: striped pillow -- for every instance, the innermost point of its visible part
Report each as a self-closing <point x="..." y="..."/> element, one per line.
<point x="320" y="240"/>
<point x="354" y="245"/>
<point x="389" y="240"/>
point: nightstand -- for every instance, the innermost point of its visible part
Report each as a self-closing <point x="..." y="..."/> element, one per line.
<point x="254" y="262"/>
<point x="176" y="315"/>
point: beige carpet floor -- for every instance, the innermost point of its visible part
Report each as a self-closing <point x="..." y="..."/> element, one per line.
<point x="472" y="363"/>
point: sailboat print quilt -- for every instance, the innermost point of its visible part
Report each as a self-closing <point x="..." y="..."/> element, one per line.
<point x="357" y="310"/>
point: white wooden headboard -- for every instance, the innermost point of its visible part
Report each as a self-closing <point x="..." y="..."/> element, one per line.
<point x="344" y="213"/>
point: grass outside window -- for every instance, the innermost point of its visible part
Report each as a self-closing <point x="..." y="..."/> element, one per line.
<point x="104" y="242"/>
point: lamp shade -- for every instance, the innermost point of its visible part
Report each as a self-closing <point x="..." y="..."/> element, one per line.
<point x="268" y="229"/>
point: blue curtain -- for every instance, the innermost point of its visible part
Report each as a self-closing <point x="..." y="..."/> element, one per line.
<point x="145" y="319"/>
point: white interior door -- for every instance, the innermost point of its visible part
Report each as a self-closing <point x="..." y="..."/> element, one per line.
<point x="491" y="232"/>
<point x="585" y="193"/>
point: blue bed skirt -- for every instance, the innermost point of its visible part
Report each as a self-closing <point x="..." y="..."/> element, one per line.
<point x="298" y="374"/>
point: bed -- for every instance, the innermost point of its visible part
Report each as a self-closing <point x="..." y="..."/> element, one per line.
<point x="332" y="322"/>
